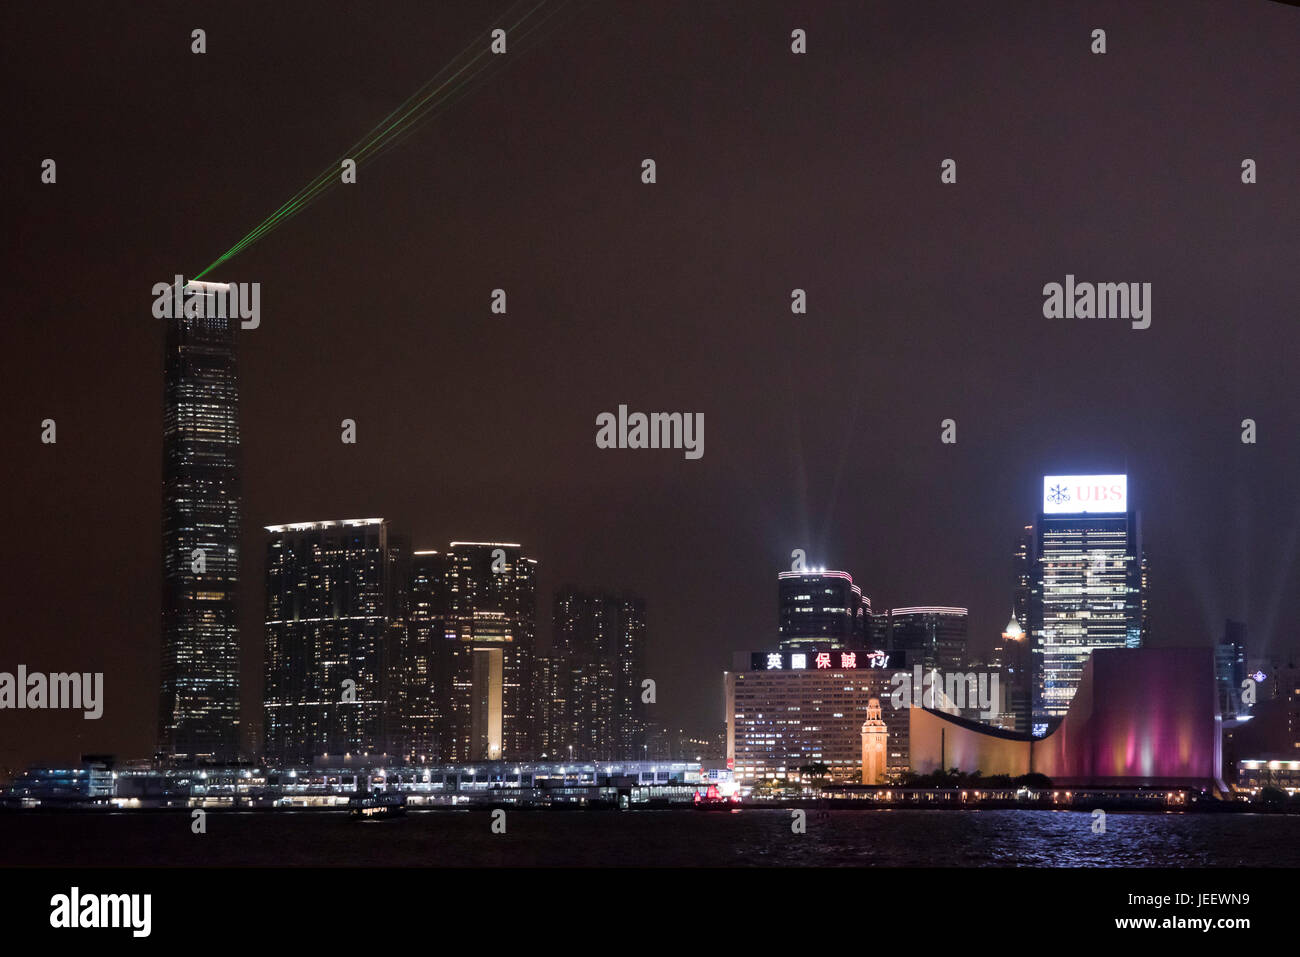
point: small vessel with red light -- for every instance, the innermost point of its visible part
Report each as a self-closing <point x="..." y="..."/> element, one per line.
<point x="712" y="799"/>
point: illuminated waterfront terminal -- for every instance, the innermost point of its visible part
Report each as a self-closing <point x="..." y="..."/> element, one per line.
<point x="331" y="784"/>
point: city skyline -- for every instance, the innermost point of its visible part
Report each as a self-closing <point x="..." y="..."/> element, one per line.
<point x="376" y="307"/>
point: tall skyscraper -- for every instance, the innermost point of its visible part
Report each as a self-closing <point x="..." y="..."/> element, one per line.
<point x="1230" y="668"/>
<point x="598" y="639"/>
<point x="1012" y="662"/>
<point x="550" y="699"/>
<point x="423" y="648"/>
<point x="198" y="703"/>
<point x="329" y="632"/>
<point x="1088" y="590"/>
<point x="491" y="634"/>
<point x="1024" y="572"/>
<point x="932" y="636"/>
<point x="821" y="610"/>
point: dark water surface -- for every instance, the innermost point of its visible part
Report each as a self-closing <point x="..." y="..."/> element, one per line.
<point x="754" y="837"/>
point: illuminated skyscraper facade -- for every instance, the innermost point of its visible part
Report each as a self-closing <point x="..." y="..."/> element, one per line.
<point x="329" y="640"/>
<point x="423" y="644"/>
<point x="821" y="610"/>
<point x="198" y="712"/>
<point x="788" y="710"/>
<point x="932" y="636"/>
<point x="598" y="642"/>
<point x="1089" y="585"/>
<point x="491" y="642"/>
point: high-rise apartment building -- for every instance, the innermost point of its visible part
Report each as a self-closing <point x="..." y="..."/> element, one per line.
<point x="421" y="678"/>
<point x="330" y="639"/>
<point x="598" y="640"/>
<point x="491" y="635"/>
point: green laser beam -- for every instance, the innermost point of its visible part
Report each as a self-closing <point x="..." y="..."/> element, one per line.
<point x="430" y="100"/>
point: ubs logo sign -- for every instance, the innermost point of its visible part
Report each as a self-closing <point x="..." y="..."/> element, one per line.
<point x="1085" y="493"/>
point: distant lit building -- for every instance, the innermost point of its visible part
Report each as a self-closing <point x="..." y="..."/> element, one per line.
<point x="788" y="710"/>
<point x="598" y="639"/>
<point x="1088" y="589"/>
<point x="198" y="703"/>
<point x="1230" y="668"/>
<point x="933" y="636"/>
<point x="821" y="610"/>
<point x="423" y="649"/>
<point x="491" y="632"/>
<point x="550" y="701"/>
<point x="1273" y="731"/>
<point x="328" y="635"/>
<point x="1254" y="775"/>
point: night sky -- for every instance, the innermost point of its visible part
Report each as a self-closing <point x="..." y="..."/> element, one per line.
<point x="775" y="171"/>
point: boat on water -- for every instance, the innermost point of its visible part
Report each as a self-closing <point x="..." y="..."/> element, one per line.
<point x="377" y="806"/>
<point x="712" y="799"/>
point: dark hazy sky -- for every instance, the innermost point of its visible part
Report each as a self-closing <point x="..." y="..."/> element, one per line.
<point x="775" y="171"/>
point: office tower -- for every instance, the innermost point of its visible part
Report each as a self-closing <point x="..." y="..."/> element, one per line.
<point x="1088" y="584"/>
<point x="491" y="589"/>
<point x="1230" y="669"/>
<point x="420" y="676"/>
<point x="787" y="710"/>
<point x="198" y="713"/>
<point x="329" y="598"/>
<point x="932" y="636"/>
<point x="1024" y="572"/>
<point x="821" y="610"/>
<point x="599" y="639"/>
<point x="1012" y="662"/>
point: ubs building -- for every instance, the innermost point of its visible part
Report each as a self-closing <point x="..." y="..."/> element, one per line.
<point x="1089" y="585"/>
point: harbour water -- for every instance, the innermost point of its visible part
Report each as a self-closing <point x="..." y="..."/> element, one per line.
<point x="748" y="837"/>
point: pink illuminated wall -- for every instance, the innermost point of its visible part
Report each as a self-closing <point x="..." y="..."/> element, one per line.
<point x="1140" y="716"/>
